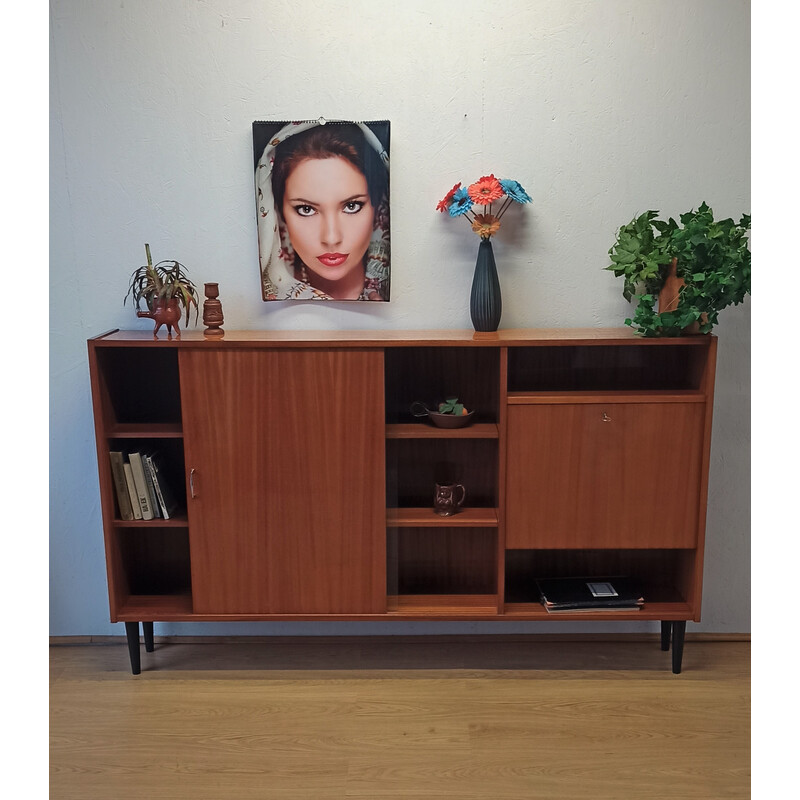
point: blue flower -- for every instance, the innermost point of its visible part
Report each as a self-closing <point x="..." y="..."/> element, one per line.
<point x="461" y="203"/>
<point x="515" y="191"/>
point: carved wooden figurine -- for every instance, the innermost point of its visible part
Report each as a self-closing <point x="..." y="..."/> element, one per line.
<point x="212" y="311"/>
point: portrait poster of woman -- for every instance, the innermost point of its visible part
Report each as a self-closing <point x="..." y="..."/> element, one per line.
<point x="322" y="203"/>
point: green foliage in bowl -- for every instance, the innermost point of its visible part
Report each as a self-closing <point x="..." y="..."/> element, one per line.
<point x="452" y="406"/>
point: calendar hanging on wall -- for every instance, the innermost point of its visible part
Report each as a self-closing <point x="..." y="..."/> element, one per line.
<point x="322" y="202"/>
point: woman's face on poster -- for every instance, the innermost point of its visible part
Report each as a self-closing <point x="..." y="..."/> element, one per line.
<point x="329" y="218"/>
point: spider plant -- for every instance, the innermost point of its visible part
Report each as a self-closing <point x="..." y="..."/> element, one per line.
<point x="162" y="281"/>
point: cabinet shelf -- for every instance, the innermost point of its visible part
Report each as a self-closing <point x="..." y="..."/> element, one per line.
<point x="428" y="518"/>
<point x="179" y="521"/>
<point x="447" y="605"/>
<point x="163" y="607"/>
<point x="149" y="430"/>
<point x="421" y="430"/>
<point x="650" y="611"/>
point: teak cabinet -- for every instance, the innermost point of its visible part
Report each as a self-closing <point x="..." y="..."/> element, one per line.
<point x="304" y="484"/>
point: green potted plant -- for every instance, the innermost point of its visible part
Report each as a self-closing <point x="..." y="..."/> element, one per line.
<point x="697" y="267"/>
<point x="166" y="289"/>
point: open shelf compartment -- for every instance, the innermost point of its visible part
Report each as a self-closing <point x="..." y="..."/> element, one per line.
<point x="441" y="561"/>
<point x="598" y="368"/>
<point x="153" y="570"/>
<point x="169" y="456"/>
<point x="414" y="466"/>
<point x="139" y="386"/>
<point x="432" y="374"/>
<point x="665" y="577"/>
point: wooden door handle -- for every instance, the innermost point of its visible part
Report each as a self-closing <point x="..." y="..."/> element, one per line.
<point x="191" y="483"/>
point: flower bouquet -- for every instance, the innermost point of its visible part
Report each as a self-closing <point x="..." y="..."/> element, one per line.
<point x="485" y="304"/>
<point x="460" y="201"/>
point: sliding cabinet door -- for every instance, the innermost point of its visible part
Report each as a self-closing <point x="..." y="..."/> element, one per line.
<point x="285" y="470"/>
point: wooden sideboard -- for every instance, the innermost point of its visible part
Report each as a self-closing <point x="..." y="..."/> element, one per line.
<point x="305" y="486"/>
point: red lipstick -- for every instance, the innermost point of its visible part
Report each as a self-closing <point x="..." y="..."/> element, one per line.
<point x="333" y="259"/>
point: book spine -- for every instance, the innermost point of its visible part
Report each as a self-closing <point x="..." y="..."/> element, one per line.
<point x="141" y="484"/>
<point x="151" y="492"/>
<point x="151" y="463"/>
<point x="121" y="485"/>
<point x="135" y="507"/>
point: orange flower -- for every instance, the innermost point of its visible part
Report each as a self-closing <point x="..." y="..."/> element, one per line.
<point x="485" y="225"/>
<point x="486" y="190"/>
<point x="445" y="201"/>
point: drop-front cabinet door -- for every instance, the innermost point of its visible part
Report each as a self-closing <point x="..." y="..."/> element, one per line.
<point x="604" y="475"/>
<point x="285" y="462"/>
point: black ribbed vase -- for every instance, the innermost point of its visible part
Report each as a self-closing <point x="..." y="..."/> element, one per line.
<point x="485" y="303"/>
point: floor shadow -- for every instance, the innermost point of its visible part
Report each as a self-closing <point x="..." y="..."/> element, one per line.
<point x="392" y="654"/>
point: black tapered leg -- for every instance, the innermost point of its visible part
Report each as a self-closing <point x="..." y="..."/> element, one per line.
<point x="678" y="632"/>
<point x="666" y="634"/>
<point x="147" y="630"/>
<point x="132" y="632"/>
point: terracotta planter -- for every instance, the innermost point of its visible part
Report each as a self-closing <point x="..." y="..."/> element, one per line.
<point x="669" y="296"/>
<point x="164" y="312"/>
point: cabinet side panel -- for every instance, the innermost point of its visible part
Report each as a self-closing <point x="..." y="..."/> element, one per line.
<point x="117" y="587"/>
<point x="709" y="367"/>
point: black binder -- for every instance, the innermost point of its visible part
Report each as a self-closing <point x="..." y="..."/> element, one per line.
<point x="590" y="594"/>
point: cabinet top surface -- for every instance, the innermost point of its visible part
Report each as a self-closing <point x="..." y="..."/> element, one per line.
<point x="396" y="338"/>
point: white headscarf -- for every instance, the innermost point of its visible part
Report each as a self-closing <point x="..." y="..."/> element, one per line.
<point x="276" y="255"/>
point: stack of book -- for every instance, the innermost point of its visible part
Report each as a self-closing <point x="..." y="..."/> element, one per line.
<point x="590" y="594"/>
<point x="142" y="492"/>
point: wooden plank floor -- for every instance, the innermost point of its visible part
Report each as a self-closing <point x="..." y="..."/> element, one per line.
<point x="385" y="719"/>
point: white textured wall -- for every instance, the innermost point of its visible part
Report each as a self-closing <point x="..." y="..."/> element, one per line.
<point x="600" y="109"/>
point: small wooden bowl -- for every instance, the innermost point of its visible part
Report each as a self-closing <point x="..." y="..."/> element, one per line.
<point x="450" y="420"/>
<point x="419" y="409"/>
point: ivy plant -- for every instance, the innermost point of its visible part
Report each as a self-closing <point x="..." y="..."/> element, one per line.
<point x="639" y="254"/>
<point x="713" y="260"/>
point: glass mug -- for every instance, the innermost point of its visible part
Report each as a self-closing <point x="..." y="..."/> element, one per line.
<point x="447" y="498"/>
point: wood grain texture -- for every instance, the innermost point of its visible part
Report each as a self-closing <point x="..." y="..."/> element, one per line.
<point x="548" y="337"/>
<point x="385" y="720"/>
<point x="289" y="507"/>
<point x="604" y="475"/>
